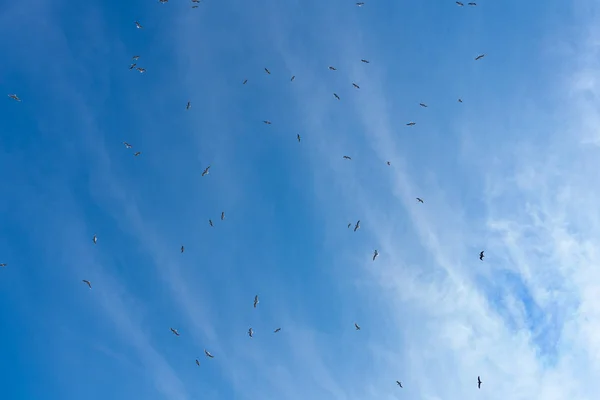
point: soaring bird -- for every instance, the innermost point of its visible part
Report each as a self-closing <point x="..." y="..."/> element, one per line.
<point x="141" y="70"/>
<point x="357" y="225"/>
<point x="174" y="332"/>
<point x="356" y="326"/>
<point x="459" y="3"/>
<point x="293" y="77"/>
<point x="333" y="68"/>
<point x="250" y="332"/>
<point x="375" y="254"/>
<point x="479" y="57"/>
<point x="197" y="362"/>
<point x="472" y="4"/>
<point x="189" y="105"/>
<point x="132" y="66"/>
<point x="360" y="4"/>
<point x="267" y="71"/>
<point x="222" y="215"/>
<point x="355" y="85"/>
<point x="95" y="239"/>
<point x="267" y="122"/>
<point x="127" y="145"/>
<point x="205" y="172"/>
<point x="138" y="25"/>
<point x="14" y="97"/>
<point x="388" y="163"/>
<point x="347" y="158"/>
<point x="349" y="225"/>
<point x="276" y="330"/>
<point x="423" y="105"/>
<point x="399" y="383"/>
<point x="255" y="301"/>
<point x="420" y="200"/>
<point x="210" y="222"/>
<point x="137" y="153"/>
<point x="481" y="255"/>
<point x="298" y="137"/>
<point x="208" y="354"/>
<point x="3" y="265"/>
<point x="182" y="249"/>
<point x="87" y="283"/>
<point x="460" y="100"/>
<point x="245" y="81"/>
<point x="365" y="61"/>
<point x="478" y="383"/>
<point x="411" y="124"/>
<point x="336" y="96"/>
<point x="135" y="58"/>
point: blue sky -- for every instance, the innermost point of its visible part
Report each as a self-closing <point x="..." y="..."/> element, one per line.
<point x="513" y="170"/>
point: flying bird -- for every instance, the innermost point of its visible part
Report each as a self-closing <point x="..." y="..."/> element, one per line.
<point x="420" y="200"/>
<point x="87" y="283"/>
<point x="478" y="382"/>
<point x="472" y="4"/>
<point x="349" y="225"/>
<point x="347" y="158"/>
<point x="267" y="71"/>
<point x="138" y="25"/>
<point x="399" y="383"/>
<point x="205" y="172"/>
<point x="298" y="137"/>
<point x="460" y="100"/>
<point x="174" y="332"/>
<point x="197" y="362"/>
<point x="411" y="124"/>
<point x="135" y="58"/>
<point x="189" y="105"/>
<point x="459" y="3"/>
<point x="336" y="96"/>
<point x="479" y="57"/>
<point x="132" y="66"/>
<point x="222" y="215"/>
<point x="293" y="77"/>
<point x="276" y="330"/>
<point x="95" y="239"/>
<point x="375" y="254"/>
<point x="365" y="61"/>
<point x="137" y="153"/>
<point x="14" y="97"/>
<point x="388" y="163"/>
<point x="245" y="81"/>
<point x="208" y="354"/>
<point x="141" y="70"/>
<point x="355" y="85"/>
<point x="3" y="265"/>
<point x="250" y="332"/>
<point x="481" y="255"/>
<point x="423" y="105"/>
<point x="360" y="4"/>
<point x="255" y="301"/>
<point x="356" y="326"/>
<point x="210" y="222"/>
<point x="182" y="249"/>
<point x="127" y="145"/>
<point x="333" y="68"/>
<point x="357" y="225"/>
<point x="267" y="122"/>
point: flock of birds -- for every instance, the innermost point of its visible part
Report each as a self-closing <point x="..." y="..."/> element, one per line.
<point x="267" y="122"/>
